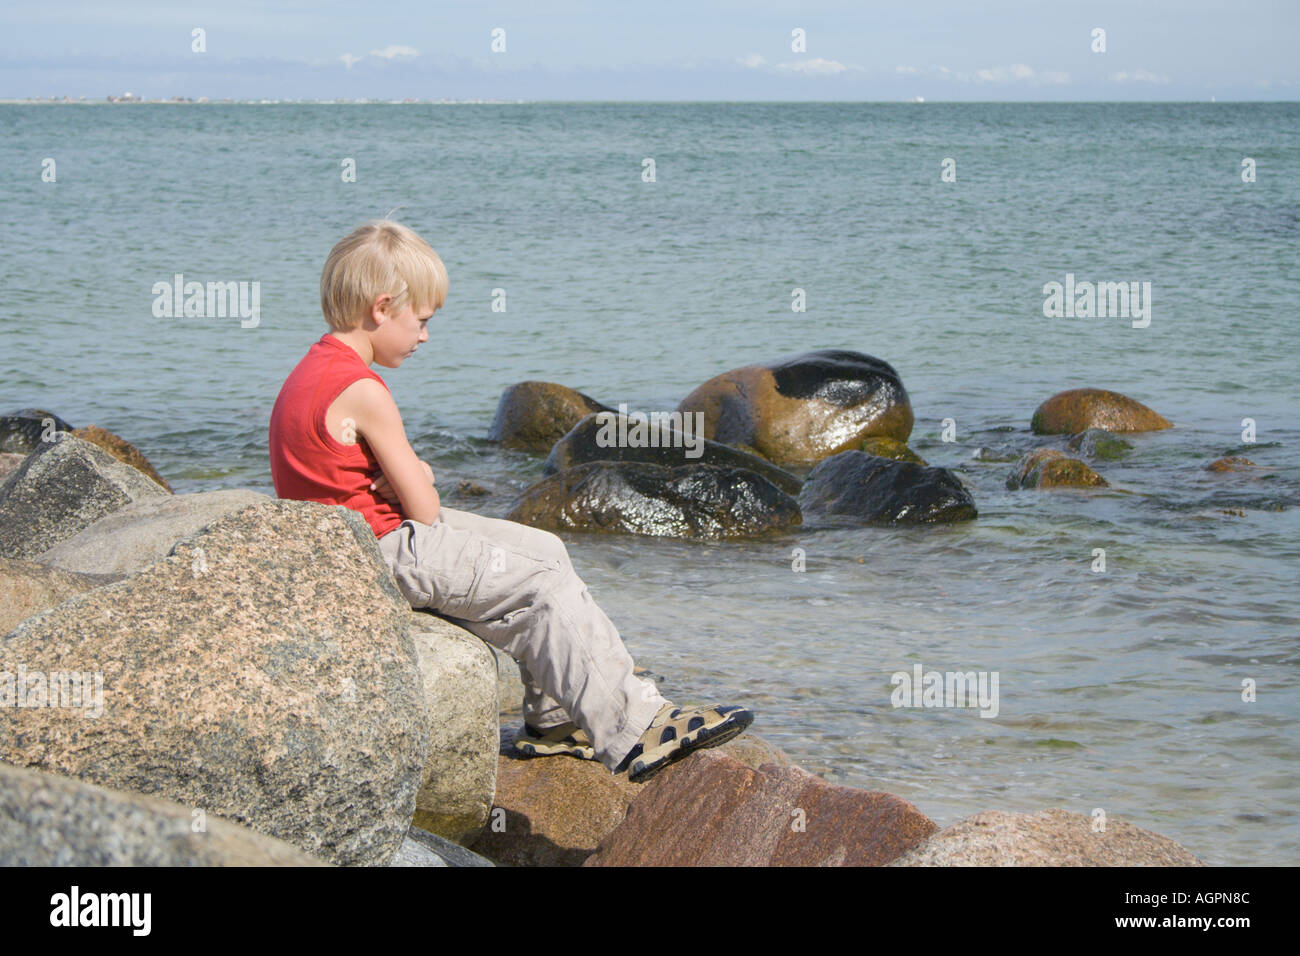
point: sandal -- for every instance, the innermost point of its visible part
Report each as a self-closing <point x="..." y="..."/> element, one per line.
<point x="675" y="732"/>
<point x="567" y="738"/>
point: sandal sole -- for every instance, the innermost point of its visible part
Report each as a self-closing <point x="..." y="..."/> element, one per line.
<point x="706" y="738"/>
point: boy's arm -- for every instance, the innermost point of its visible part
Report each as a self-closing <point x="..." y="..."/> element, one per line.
<point x="371" y="406"/>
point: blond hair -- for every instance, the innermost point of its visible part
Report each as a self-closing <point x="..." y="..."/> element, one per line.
<point x="380" y="257"/>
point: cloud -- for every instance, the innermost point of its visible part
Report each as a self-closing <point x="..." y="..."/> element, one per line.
<point x="1138" y="76"/>
<point x="751" y="60"/>
<point x="814" y="67"/>
<point x="906" y="69"/>
<point x="1015" y="73"/>
<point x="395" y="52"/>
<point x="348" y="60"/>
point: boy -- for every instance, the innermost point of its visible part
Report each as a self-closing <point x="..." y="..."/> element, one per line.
<point x="336" y="437"/>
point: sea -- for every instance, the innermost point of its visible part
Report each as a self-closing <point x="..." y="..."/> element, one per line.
<point x="1144" y="638"/>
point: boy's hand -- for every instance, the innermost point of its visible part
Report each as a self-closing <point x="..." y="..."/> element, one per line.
<point x="386" y="491"/>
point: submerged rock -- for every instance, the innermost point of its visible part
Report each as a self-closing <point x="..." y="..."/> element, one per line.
<point x="262" y="672"/>
<point x="595" y="439"/>
<point x="49" y="820"/>
<point x="693" y="501"/>
<point x="891" y="448"/>
<point x="1050" y="838"/>
<point x="1230" y="463"/>
<point x="66" y="485"/>
<point x="1049" y="468"/>
<point x="712" y="810"/>
<point x="802" y="409"/>
<point x="1099" y="443"/>
<point x="1080" y="409"/>
<point x="883" y="491"/>
<point x="533" y="416"/>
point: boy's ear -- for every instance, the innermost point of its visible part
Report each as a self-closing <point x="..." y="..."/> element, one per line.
<point x="380" y="308"/>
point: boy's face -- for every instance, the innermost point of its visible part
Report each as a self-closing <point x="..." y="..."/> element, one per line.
<point x="398" y="335"/>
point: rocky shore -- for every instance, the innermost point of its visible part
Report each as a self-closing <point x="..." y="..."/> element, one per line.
<point x="223" y="678"/>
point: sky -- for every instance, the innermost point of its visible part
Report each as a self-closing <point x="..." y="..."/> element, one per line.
<point x="988" y="50"/>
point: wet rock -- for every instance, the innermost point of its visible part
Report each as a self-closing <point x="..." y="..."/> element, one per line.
<point x="132" y="538"/>
<point x="48" y="820"/>
<point x="891" y="448"/>
<point x="1080" y="409"/>
<point x="884" y="491"/>
<point x="1230" y="463"/>
<point x="711" y="810"/>
<point x="25" y="430"/>
<point x="1049" y="838"/>
<point x="262" y="672"/>
<point x="802" y="409"/>
<point x="693" y="501"/>
<point x="470" y="489"/>
<point x="1049" y="468"/>
<point x="460" y="688"/>
<point x="30" y="588"/>
<point x="993" y="454"/>
<point x="1099" y="443"/>
<point x="66" y="485"/>
<point x="421" y="848"/>
<point x="554" y="811"/>
<point x="595" y="439"/>
<point x="533" y="416"/>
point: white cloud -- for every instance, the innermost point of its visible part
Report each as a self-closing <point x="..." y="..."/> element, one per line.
<point x="816" y="66"/>
<point x="348" y="60"/>
<point x="751" y="60"/>
<point x="1138" y="76"/>
<point x="395" y="52"/>
<point x="906" y="69"/>
<point x="1015" y="73"/>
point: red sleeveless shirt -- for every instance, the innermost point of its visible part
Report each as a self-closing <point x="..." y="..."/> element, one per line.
<point x="307" y="462"/>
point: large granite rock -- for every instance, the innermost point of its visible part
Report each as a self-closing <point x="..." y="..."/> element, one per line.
<point x="134" y="537"/>
<point x="263" y="672"/>
<point x="533" y="416"/>
<point x="1049" y="838"/>
<point x="1049" y="468"/>
<point x="122" y="450"/>
<point x="30" y="588"/>
<point x="1079" y="409"/>
<point x="460" y="688"/>
<point x="596" y="438"/>
<point x="63" y="487"/>
<point x="801" y="409"/>
<point x="885" y="491"/>
<point x="554" y="811"/>
<point x="48" y="820"/>
<point x="626" y="497"/>
<point x="712" y="810"/>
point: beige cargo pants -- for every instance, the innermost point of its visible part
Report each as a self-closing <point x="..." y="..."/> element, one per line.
<point x="514" y="587"/>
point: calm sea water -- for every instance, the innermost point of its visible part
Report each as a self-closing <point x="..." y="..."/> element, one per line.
<point x="1119" y="690"/>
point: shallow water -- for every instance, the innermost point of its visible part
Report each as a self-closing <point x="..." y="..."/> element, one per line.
<point x="1118" y="690"/>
